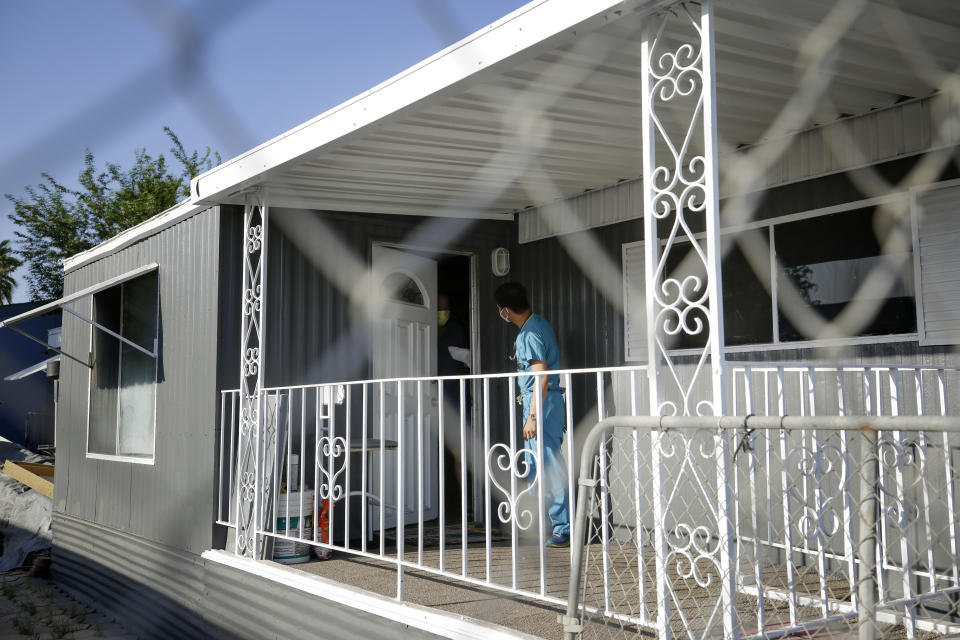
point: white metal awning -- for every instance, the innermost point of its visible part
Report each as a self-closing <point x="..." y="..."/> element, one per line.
<point x="545" y="103"/>
<point x="32" y="369"/>
<point x="61" y="303"/>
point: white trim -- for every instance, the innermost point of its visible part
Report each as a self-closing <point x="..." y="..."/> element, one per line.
<point x="627" y="356"/>
<point x="815" y="213"/>
<point x="32" y="369"/>
<point x="174" y="215"/>
<point x="77" y="295"/>
<point x="441" y="623"/>
<point x="807" y="344"/>
<point x="909" y="199"/>
<point x="131" y="459"/>
<point x="917" y="284"/>
<point x="539" y="25"/>
<point x="156" y="372"/>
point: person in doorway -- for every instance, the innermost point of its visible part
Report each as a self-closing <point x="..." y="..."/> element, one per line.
<point x="450" y="333"/>
<point x="451" y="341"/>
<point x="536" y="350"/>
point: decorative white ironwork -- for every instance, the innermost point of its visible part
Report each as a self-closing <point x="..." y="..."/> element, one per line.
<point x="895" y="456"/>
<point x="821" y="520"/>
<point x="329" y="450"/>
<point x="679" y="197"/>
<point x="683" y="302"/>
<point x="519" y="467"/>
<point x="790" y="572"/>
<point x="251" y="433"/>
<point x="693" y="549"/>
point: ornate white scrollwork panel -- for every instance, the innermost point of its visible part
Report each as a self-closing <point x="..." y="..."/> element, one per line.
<point x="331" y="460"/>
<point x="252" y="434"/>
<point x="679" y="200"/>
<point x="519" y="468"/>
<point x="901" y="462"/>
<point x="817" y="471"/>
<point x="692" y="549"/>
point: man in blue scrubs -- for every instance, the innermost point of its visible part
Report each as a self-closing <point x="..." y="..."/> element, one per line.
<point x="537" y="350"/>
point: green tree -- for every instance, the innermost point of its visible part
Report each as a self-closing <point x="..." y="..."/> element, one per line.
<point x="8" y="264"/>
<point x="55" y="222"/>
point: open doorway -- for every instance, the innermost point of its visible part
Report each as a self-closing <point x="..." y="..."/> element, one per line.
<point x="454" y="348"/>
<point x="456" y="353"/>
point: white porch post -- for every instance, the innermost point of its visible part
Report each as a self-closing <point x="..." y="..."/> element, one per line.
<point x="680" y="199"/>
<point x="252" y="415"/>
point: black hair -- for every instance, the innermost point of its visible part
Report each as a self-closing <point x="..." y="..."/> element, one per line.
<point x="513" y="296"/>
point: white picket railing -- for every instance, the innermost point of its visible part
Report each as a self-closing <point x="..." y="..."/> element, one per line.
<point x="388" y="486"/>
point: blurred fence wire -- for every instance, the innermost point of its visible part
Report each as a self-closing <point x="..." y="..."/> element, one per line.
<point x="800" y="570"/>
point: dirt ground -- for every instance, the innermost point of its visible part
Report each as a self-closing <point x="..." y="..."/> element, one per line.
<point x="35" y="608"/>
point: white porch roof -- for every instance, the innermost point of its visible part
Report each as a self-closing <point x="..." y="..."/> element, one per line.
<point x="442" y="137"/>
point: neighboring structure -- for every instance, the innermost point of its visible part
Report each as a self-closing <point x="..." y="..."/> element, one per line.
<point x="27" y="394"/>
<point x="271" y="322"/>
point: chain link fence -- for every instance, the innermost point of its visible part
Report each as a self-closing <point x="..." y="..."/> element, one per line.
<point x="765" y="531"/>
<point x="739" y="531"/>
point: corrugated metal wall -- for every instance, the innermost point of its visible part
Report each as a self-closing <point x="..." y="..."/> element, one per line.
<point x="312" y="336"/>
<point x="171" y="501"/>
<point x="159" y="592"/>
<point x="154" y="589"/>
<point x="589" y="325"/>
<point x="877" y="137"/>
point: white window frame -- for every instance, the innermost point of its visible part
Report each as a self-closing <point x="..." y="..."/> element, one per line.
<point x="156" y="341"/>
<point x="907" y="198"/>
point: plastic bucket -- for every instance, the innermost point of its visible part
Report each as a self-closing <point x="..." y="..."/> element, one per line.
<point x="287" y="551"/>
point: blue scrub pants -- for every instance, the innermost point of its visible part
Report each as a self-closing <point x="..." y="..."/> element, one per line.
<point x="555" y="471"/>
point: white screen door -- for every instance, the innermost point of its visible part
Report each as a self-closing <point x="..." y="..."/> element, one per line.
<point x="405" y="345"/>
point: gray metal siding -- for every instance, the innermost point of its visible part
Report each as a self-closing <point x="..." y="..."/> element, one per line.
<point x="165" y="501"/>
<point x="154" y="589"/>
<point x="937" y="233"/>
<point x="311" y="334"/>
<point x="589" y="326"/>
<point x="880" y="136"/>
<point x="161" y="592"/>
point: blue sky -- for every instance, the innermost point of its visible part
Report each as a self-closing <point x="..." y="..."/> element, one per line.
<point x="105" y="74"/>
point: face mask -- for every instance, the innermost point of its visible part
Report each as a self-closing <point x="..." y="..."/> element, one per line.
<point x="442" y="317"/>
<point x="505" y="314"/>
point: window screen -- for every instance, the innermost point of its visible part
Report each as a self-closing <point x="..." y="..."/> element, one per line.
<point x="123" y="378"/>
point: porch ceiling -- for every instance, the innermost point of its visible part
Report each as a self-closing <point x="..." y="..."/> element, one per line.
<point x="545" y="103"/>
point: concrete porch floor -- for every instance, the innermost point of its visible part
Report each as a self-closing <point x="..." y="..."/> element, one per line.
<point x="537" y="618"/>
<point x="447" y="594"/>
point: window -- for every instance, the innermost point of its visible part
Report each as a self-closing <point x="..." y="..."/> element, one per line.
<point x="826" y="259"/>
<point x="123" y="377"/>
<point x="402" y="288"/>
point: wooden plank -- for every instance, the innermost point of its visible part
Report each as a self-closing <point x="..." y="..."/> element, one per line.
<point x="34" y="476"/>
<point x="45" y="470"/>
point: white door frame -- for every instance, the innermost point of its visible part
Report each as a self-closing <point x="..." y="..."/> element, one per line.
<point x="476" y="412"/>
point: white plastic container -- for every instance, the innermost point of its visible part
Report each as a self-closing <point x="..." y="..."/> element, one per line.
<point x="287" y="551"/>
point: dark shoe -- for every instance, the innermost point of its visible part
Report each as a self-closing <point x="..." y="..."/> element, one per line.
<point x="559" y="541"/>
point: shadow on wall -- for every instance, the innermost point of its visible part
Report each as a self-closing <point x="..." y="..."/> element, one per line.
<point x="143" y="609"/>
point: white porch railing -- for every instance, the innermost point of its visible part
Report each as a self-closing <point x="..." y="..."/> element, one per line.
<point x="372" y="449"/>
<point x="843" y="524"/>
<point x="373" y="456"/>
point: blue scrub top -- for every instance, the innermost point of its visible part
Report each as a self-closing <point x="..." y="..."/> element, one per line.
<point x="536" y="341"/>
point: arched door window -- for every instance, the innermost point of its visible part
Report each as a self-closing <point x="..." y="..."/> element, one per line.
<point x="399" y="287"/>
